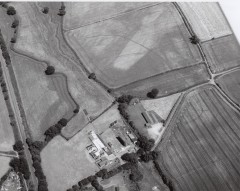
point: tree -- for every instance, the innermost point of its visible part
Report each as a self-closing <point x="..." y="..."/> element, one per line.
<point x="92" y="76"/>
<point x="145" y="144"/>
<point x="11" y="10"/>
<point x="15" y="23"/>
<point x="194" y="39"/>
<point x="13" y="40"/>
<point x="50" y="70"/>
<point x="76" y="110"/>
<point x="124" y="99"/>
<point x="136" y="176"/>
<point x="62" y="11"/>
<point x="101" y="173"/>
<point x="153" y="93"/>
<point x="63" y="122"/>
<point x="130" y="157"/>
<point x="18" y="146"/>
<point x="45" y="10"/>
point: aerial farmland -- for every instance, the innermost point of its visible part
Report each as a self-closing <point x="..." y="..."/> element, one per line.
<point x="118" y="96"/>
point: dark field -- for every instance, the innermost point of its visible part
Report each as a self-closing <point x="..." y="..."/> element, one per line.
<point x="230" y="84"/>
<point x="222" y="53"/>
<point x="135" y="45"/>
<point x="202" y="151"/>
<point x="168" y="83"/>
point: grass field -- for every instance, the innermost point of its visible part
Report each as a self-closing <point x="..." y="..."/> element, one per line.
<point x="151" y="180"/>
<point x="162" y="106"/>
<point x="35" y="31"/>
<point x="79" y="13"/>
<point x="230" y="84"/>
<point x="45" y="98"/>
<point x="101" y="123"/>
<point x="135" y="45"/>
<point x="206" y="19"/>
<point x="168" y="83"/>
<point x="4" y="167"/>
<point x="201" y="149"/>
<point x="222" y="53"/>
<point x="116" y="181"/>
<point x="68" y="161"/>
<point x="6" y="131"/>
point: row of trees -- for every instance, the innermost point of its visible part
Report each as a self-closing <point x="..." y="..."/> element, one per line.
<point x="166" y="181"/>
<point x="135" y="175"/>
<point x="55" y="130"/>
<point x="20" y="164"/>
<point x="4" y="49"/>
<point x="35" y="149"/>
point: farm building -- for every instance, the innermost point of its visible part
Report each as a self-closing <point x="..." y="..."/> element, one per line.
<point x="98" y="142"/>
<point x="151" y="118"/>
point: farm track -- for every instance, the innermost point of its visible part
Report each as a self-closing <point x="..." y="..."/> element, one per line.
<point x="221" y="151"/>
<point x="10" y="154"/>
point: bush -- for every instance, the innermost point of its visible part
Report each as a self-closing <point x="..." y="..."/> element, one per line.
<point x="18" y="146"/>
<point x="13" y="40"/>
<point x="125" y="99"/>
<point x="136" y="176"/>
<point x="194" y="39"/>
<point x="11" y="10"/>
<point x="50" y="70"/>
<point x="92" y="76"/>
<point x="15" y="23"/>
<point x="153" y="93"/>
<point x="45" y="10"/>
<point x="63" y="122"/>
<point x="76" y="110"/>
<point x="130" y="157"/>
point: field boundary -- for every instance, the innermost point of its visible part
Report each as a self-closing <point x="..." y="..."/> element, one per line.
<point x="115" y="16"/>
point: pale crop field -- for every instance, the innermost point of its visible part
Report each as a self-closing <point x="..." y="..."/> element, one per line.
<point x="135" y="45"/>
<point x="162" y="106"/>
<point x="222" y="53"/>
<point x="84" y="13"/>
<point x="206" y="19"/>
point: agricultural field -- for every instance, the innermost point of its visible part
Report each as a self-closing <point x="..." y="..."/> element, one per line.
<point x="35" y="30"/>
<point x="4" y="167"/>
<point x="162" y="106"/>
<point x="230" y="84"/>
<point x="222" y="53"/>
<point x="201" y="148"/>
<point x="168" y="83"/>
<point x="45" y="98"/>
<point x="126" y="48"/>
<point x="6" y="131"/>
<point x="68" y="161"/>
<point x="206" y="19"/>
<point x="84" y="13"/>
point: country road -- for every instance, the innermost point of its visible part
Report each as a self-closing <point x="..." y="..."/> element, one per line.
<point x="19" y="125"/>
<point x="11" y="154"/>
